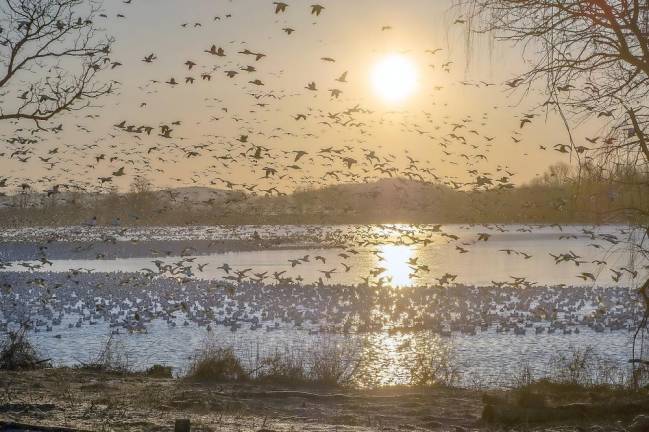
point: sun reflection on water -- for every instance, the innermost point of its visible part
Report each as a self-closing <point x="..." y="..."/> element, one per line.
<point x="396" y="261"/>
<point x="405" y="358"/>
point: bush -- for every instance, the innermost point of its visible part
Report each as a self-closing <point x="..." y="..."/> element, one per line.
<point x="16" y="352"/>
<point x="583" y="367"/>
<point x="282" y="367"/>
<point x="214" y="364"/>
<point x="434" y="367"/>
<point x="159" y="371"/>
<point x="333" y="365"/>
<point x="112" y="358"/>
<point x="325" y="363"/>
<point x="523" y="375"/>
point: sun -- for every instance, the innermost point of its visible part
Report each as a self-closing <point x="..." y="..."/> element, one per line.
<point x="394" y="78"/>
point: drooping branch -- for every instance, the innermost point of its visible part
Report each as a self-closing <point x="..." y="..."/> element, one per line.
<point x="593" y="58"/>
<point x="639" y="132"/>
<point x="585" y="49"/>
<point x="58" y="41"/>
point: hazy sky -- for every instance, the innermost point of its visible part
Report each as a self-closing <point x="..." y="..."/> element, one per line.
<point x="351" y="32"/>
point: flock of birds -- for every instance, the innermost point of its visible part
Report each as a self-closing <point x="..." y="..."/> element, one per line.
<point x="37" y="248"/>
<point x="50" y="302"/>
<point x="277" y="147"/>
<point x="170" y="289"/>
<point x="256" y="159"/>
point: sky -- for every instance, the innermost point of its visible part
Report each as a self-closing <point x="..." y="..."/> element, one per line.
<point x="454" y="125"/>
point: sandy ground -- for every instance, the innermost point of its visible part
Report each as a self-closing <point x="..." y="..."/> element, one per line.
<point x="69" y="400"/>
<point x="90" y="401"/>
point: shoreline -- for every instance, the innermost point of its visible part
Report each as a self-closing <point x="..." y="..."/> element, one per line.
<point x="163" y="320"/>
<point x="82" y="399"/>
<point x="109" y="250"/>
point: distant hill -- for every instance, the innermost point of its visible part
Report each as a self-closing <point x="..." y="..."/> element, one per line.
<point x="194" y="195"/>
<point x="394" y="200"/>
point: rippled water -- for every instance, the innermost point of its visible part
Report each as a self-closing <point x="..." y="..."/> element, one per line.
<point x="493" y="359"/>
<point x="386" y="251"/>
<point x="484" y="262"/>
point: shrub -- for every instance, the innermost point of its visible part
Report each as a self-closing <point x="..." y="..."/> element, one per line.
<point x="111" y="358"/>
<point x="159" y="371"/>
<point x="523" y="375"/>
<point x="584" y="367"/>
<point x="282" y="367"/>
<point x="574" y="367"/>
<point x="434" y="367"/>
<point x="16" y="352"/>
<point x="213" y="364"/>
<point x="333" y="364"/>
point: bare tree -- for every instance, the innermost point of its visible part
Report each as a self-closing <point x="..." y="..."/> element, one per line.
<point x="591" y="58"/>
<point x="140" y="185"/>
<point x="50" y="54"/>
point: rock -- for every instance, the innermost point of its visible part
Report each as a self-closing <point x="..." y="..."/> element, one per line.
<point x="640" y="424"/>
<point x="182" y="425"/>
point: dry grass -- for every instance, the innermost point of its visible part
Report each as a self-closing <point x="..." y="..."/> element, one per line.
<point x="159" y="371"/>
<point x="284" y="367"/>
<point x="215" y="364"/>
<point x="326" y="364"/>
<point x="16" y="352"/>
<point x="111" y="358"/>
<point x="579" y="384"/>
<point x="435" y="367"/>
<point x="333" y="364"/>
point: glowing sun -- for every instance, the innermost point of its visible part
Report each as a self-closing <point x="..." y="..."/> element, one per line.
<point x="394" y="78"/>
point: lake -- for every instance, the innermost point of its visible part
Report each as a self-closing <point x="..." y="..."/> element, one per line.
<point x="492" y="295"/>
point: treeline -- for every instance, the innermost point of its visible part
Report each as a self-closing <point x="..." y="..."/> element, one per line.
<point x="561" y="195"/>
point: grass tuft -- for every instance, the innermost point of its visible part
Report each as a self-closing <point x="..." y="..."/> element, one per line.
<point x="17" y="352"/>
<point x="159" y="371"/>
<point x="214" y="364"/>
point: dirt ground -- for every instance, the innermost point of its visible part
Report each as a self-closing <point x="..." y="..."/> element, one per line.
<point x="78" y="400"/>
